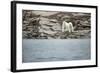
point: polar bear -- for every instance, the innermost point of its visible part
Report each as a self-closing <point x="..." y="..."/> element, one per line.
<point x="67" y="26"/>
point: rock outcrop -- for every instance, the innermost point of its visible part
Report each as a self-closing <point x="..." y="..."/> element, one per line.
<point x="47" y="25"/>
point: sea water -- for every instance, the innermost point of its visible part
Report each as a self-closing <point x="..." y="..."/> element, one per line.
<point x="55" y="50"/>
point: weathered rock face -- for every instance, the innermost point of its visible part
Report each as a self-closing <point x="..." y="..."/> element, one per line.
<point x="39" y="25"/>
<point x="49" y="28"/>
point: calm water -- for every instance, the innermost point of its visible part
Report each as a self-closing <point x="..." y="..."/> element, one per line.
<point x="55" y="50"/>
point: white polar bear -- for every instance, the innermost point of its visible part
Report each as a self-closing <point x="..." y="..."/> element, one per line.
<point x="67" y="26"/>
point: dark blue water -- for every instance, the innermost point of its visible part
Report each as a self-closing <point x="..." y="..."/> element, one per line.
<point x="55" y="50"/>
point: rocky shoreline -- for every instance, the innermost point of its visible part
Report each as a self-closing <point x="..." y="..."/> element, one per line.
<point x="48" y="25"/>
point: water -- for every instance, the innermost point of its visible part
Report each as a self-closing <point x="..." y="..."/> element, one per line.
<point x="55" y="50"/>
